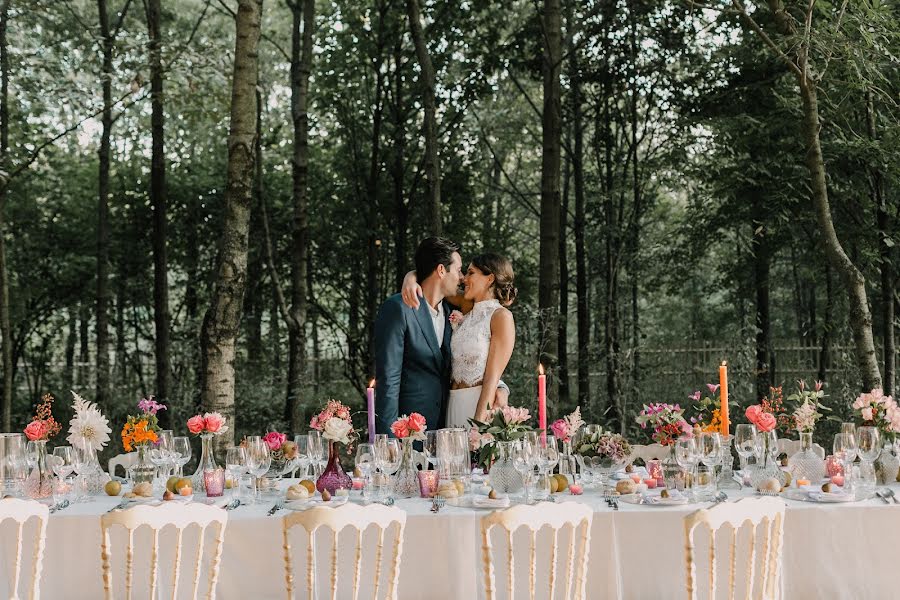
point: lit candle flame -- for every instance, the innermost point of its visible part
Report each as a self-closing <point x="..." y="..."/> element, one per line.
<point x="540" y="369"/>
<point x="372" y="383"/>
<point x="724" y="363"/>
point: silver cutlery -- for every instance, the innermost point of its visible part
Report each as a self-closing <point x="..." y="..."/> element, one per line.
<point x="437" y="503"/>
<point x="720" y="497"/>
<point x="233" y="504"/>
<point x="278" y="506"/>
<point x="881" y="494"/>
<point x="888" y="494"/>
<point x="615" y="503"/>
<point x="119" y="506"/>
<point x="59" y="506"/>
<point x="389" y="501"/>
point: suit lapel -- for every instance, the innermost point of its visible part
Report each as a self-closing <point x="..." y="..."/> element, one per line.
<point x="445" y="347"/>
<point x="423" y="317"/>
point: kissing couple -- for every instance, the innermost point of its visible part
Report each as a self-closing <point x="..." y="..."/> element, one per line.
<point x="440" y="350"/>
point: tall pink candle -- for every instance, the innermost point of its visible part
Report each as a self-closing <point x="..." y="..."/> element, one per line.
<point x="370" y="407"/>
<point x="542" y="403"/>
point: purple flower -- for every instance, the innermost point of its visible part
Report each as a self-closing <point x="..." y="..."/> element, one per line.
<point x="713" y="388"/>
<point x="150" y="406"/>
<point x="695" y="396"/>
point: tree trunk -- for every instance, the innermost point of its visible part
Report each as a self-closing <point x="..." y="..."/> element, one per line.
<point x="84" y="351"/>
<point x="71" y="340"/>
<point x="102" y="306"/>
<point x="548" y="269"/>
<point x="761" y="250"/>
<point x="256" y="260"/>
<point x="303" y="14"/>
<point x="121" y="355"/>
<point x="563" y="324"/>
<point x="634" y="237"/>
<point x="883" y="222"/>
<point x="854" y="281"/>
<point x="400" y="209"/>
<point x="5" y="328"/>
<point x="611" y="324"/>
<point x="429" y="103"/>
<point x="160" y="212"/>
<point x="222" y="321"/>
<point x="825" y="341"/>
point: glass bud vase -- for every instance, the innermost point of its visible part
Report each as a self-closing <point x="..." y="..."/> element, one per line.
<point x="567" y="464"/>
<point x="887" y="466"/>
<point x="39" y="483"/>
<point x="142" y="470"/>
<point x="504" y="477"/>
<point x="207" y="463"/>
<point x="91" y="478"/>
<point x="671" y="470"/>
<point x="406" y="479"/>
<point x="333" y="477"/>
<point x="767" y="465"/>
<point x="805" y="463"/>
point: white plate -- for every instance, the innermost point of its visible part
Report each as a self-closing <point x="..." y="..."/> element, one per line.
<point x="141" y="499"/>
<point x="484" y="503"/>
<point x="654" y="500"/>
<point x="312" y="502"/>
<point x="181" y="499"/>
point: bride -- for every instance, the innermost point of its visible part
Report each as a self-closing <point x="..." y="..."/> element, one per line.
<point x="482" y="340"/>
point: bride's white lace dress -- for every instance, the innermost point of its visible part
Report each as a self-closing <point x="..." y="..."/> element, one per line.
<point x="470" y="344"/>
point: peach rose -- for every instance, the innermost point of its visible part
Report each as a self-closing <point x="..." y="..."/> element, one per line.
<point x="416" y="422"/>
<point x="400" y="428"/>
<point x="196" y="424"/>
<point x="752" y="413"/>
<point x="35" y="430"/>
<point x="213" y="422"/>
<point x="766" y="422"/>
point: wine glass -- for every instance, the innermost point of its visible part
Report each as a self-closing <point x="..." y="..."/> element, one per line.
<point x="181" y="451"/>
<point x="303" y="458"/>
<point x="387" y="455"/>
<point x="547" y="458"/>
<point x="315" y="450"/>
<point x="845" y="451"/>
<point x="365" y="462"/>
<point x="236" y="465"/>
<point x="745" y="440"/>
<point x="258" y="459"/>
<point x="63" y="465"/>
<point x="160" y="454"/>
<point x="868" y="441"/>
<point x="167" y="441"/>
<point x="430" y="448"/>
<point x="687" y="455"/>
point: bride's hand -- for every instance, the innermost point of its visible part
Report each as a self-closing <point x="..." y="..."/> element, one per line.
<point x="501" y="398"/>
<point x="411" y="291"/>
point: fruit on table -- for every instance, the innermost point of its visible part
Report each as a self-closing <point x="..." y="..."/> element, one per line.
<point x="492" y="495"/>
<point x="629" y="468"/>
<point x="112" y="488"/>
<point x="664" y="493"/>
<point x="326" y="495"/>
<point x="562" y="482"/>
<point x="182" y="483"/>
<point x="576" y="490"/>
<point x="309" y="485"/>
<point x="168" y="495"/>
<point x="171" y="481"/>
<point x="626" y="486"/>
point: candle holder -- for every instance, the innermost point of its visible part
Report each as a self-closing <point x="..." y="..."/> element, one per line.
<point x="428" y="483"/>
<point x="726" y="480"/>
<point x="214" y="480"/>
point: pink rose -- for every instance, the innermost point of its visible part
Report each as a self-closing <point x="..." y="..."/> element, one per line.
<point x="35" y="430"/>
<point x="752" y="413"/>
<point x="416" y="422"/>
<point x="274" y="440"/>
<point x="560" y="429"/>
<point x="196" y="424"/>
<point x="213" y="421"/>
<point x="766" y="422"/>
<point x="400" y="428"/>
<point x="866" y="414"/>
<point x="314" y="422"/>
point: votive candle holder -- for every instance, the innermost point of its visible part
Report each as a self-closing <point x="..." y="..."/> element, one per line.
<point x="214" y="480"/>
<point x="428" y="483"/>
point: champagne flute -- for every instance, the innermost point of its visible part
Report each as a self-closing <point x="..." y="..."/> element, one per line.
<point x="316" y="450"/>
<point x="181" y="450"/>
<point x="167" y="442"/>
<point x="430" y="448"/>
<point x="303" y="457"/>
<point x="236" y="465"/>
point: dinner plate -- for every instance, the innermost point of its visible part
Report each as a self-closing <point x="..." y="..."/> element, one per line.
<point x="484" y="503"/>
<point x="647" y="499"/>
<point x="141" y="499"/>
<point x="305" y="503"/>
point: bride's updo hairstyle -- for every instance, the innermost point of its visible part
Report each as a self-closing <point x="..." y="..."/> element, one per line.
<point x="501" y="268"/>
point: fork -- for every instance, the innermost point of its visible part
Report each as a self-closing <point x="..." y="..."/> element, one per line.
<point x="278" y="506"/>
<point x="890" y="494"/>
<point x="437" y="503"/>
<point x="59" y="506"/>
<point x="119" y="506"/>
<point x="233" y="504"/>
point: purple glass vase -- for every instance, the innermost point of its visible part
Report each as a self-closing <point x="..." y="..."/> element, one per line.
<point x="333" y="477"/>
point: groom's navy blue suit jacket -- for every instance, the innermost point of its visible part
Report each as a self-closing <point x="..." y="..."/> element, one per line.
<point x="412" y="372"/>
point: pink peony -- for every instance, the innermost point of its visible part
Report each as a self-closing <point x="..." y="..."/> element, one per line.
<point x="274" y="440"/>
<point x="400" y="428"/>
<point x="196" y="424"/>
<point x="213" y="422"/>
<point x="866" y="413"/>
<point x="752" y="413"/>
<point x="766" y="422"/>
<point x="416" y="422"/>
<point x="35" y="430"/>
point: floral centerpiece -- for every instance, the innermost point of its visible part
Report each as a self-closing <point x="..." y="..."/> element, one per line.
<point x="708" y="409"/>
<point x="805" y="463"/>
<point x="496" y="435"/>
<point x="138" y="433"/>
<point x="667" y="421"/>
<point x="762" y="416"/>
<point x="208" y="477"/>
<point x="874" y="409"/>
<point x="283" y="452"/>
<point x="408" y="429"/>
<point x="39" y="483"/>
<point x="337" y="427"/>
<point x="89" y="433"/>
<point x="602" y="451"/>
<point x="565" y="430"/>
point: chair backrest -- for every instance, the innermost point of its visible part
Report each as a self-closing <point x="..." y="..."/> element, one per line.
<point x="790" y="447"/>
<point x="20" y="511"/>
<point x="356" y="518"/>
<point x="172" y="514"/>
<point x="765" y="517"/>
<point x="121" y="460"/>
<point x="576" y="516"/>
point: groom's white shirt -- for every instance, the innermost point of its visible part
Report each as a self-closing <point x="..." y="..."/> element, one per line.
<point x="437" y="319"/>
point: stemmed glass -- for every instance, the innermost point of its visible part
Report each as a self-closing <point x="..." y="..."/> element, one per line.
<point x="63" y="464"/>
<point x="236" y="465"/>
<point x="181" y="452"/>
<point x="429" y="449"/>
<point x="303" y="459"/>
<point x="547" y="458"/>
<point x="167" y="441"/>
<point x="161" y="455"/>
<point x="710" y="447"/>
<point x="687" y="454"/>
<point x="845" y="451"/>
<point x="524" y="460"/>
<point x="745" y="441"/>
<point x="316" y="450"/>
<point x="387" y="457"/>
<point x="868" y="442"/>
<point x="258" y="460"/>
<point x="365" y="462"/>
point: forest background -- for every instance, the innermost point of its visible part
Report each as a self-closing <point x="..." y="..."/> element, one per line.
<point x="677" y="183"/>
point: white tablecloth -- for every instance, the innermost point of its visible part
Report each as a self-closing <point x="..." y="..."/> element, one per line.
<point x="830" y="551"/>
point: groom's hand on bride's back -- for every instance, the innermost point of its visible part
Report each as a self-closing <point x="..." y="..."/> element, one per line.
<point x="411" y="291"/>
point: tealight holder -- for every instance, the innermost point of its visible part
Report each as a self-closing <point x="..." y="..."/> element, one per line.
<point x="214" y="480"/>
<point x="428" y="483"/>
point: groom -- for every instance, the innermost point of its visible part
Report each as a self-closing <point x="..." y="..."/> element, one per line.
<point x="412" y="346"/>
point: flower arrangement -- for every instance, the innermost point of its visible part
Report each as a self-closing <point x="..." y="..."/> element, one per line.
<point x="604" y="444"/>
<point x="412" y="427"/>
<point x="88" y="429"/>
<point x="506" y="424"/>
<point x="807" y="413"/>
<point x="142" y="429"/>
<point x="877" y="410"/>
<point x="667" y="421"/>
<point x="209" y="423"/>
<point x="281" y="449"/>
<point x="708" y="409"/>
<point x="43" y="426"/>
<point x="764" y="420"/>
<point x="565" y="429"/>
<point x="334" y="423"/>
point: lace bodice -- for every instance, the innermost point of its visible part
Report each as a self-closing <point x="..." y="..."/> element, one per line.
<point x="470" y="343"/>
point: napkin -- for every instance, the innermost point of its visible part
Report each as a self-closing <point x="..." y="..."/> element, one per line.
<point x="485" y="502"/>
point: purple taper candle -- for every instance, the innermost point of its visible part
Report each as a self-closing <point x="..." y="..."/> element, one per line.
<point x="370" y="407"/>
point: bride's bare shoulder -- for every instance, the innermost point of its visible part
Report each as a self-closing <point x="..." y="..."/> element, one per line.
<point x="502" y="317"/>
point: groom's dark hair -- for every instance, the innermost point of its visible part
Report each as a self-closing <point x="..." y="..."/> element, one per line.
<point x="432" y="252"/>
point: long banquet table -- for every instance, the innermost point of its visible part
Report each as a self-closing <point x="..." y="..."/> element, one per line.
<point x="830" y="551"/>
